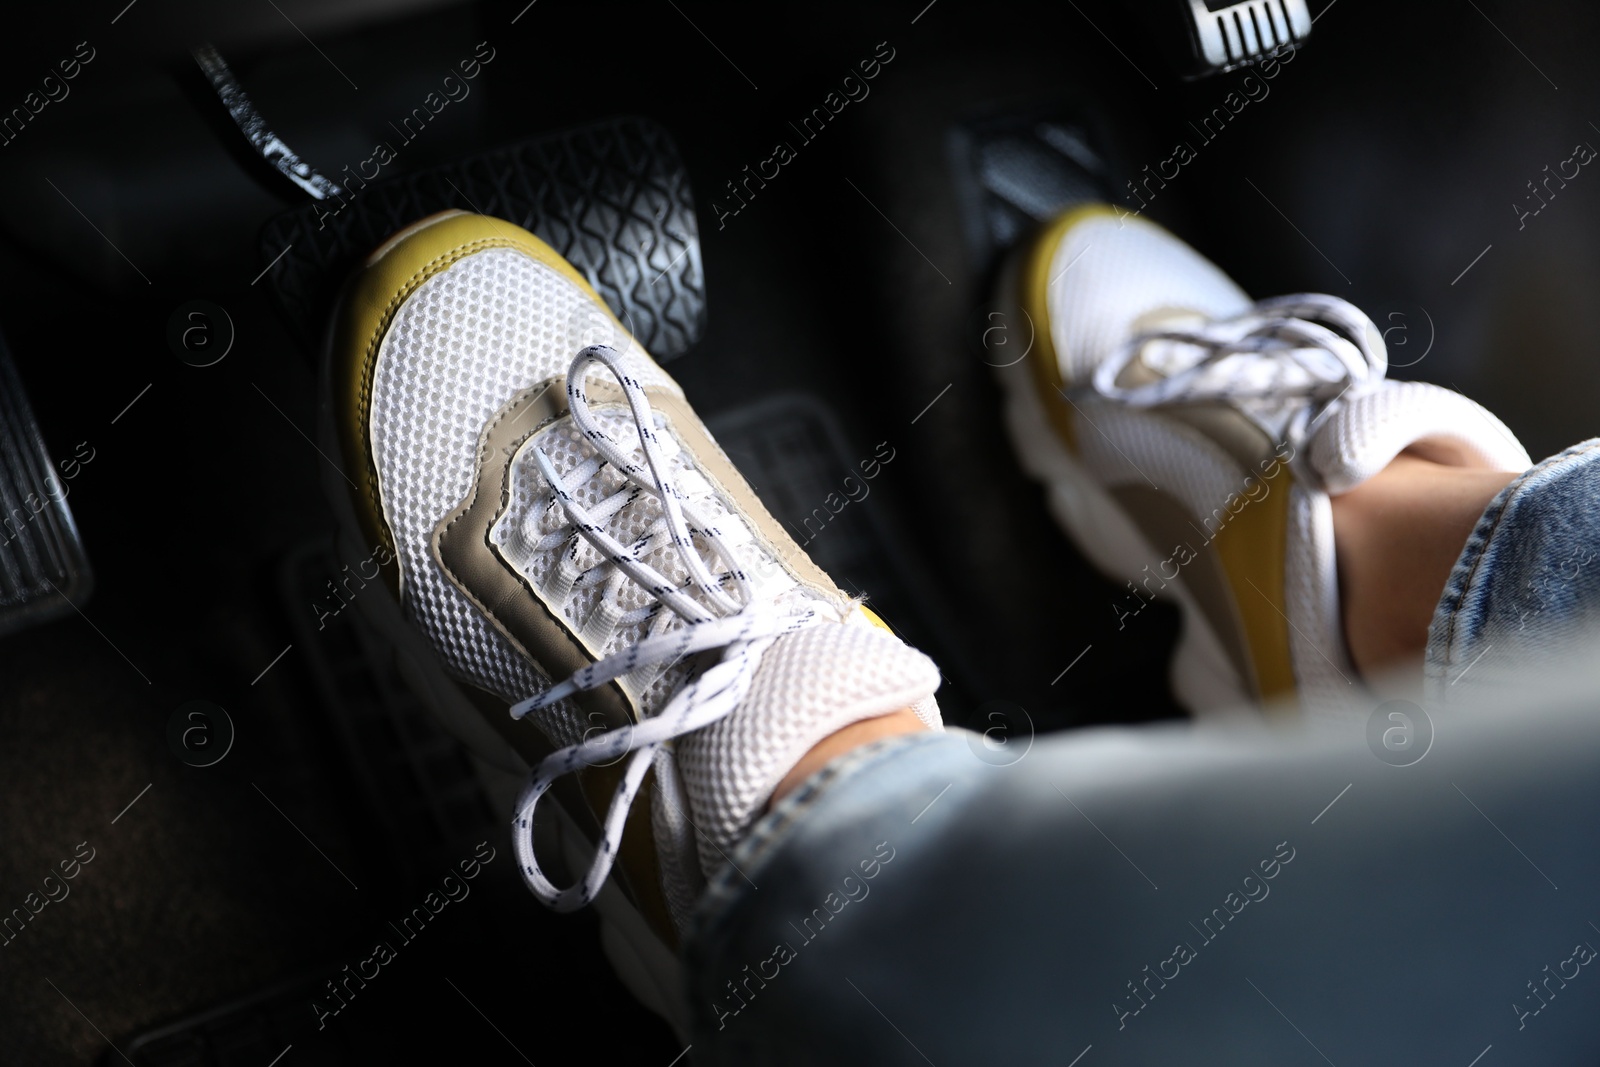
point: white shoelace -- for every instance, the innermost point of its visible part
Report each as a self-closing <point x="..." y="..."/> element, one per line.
<point x="738" y="624"/>
<point x="1288" y="355"/>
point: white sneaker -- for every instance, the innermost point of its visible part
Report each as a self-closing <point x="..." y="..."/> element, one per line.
<point x="577" y="564"/>
<point x="1191" y="438"/>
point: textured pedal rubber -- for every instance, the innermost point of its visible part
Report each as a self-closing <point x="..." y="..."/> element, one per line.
<point x="43" y="568"/>
<point x="612" y="197"/>
<point x="1019" y="168"/>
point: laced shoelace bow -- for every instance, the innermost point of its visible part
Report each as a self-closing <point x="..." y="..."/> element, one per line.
<point x="1312" y="348"/>
<point x="738" y="624"/>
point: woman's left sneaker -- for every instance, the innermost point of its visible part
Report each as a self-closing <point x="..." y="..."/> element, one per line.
<point x="1191" y="439"/>
<point x="575" y="563"/>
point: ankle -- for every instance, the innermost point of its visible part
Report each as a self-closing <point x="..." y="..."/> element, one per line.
<point x="843" y="741"/>
<point x="1396" y="539"/>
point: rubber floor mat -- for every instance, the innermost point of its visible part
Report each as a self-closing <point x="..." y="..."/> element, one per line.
<point x="416" y="780"/>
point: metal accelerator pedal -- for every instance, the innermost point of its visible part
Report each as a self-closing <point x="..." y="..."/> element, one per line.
<point x="1228" y="34"/>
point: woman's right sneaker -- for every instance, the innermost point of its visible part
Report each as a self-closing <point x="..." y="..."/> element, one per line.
<point x="1191" y="439"/>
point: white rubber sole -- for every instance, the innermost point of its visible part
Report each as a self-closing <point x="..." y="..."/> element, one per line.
<point x="646" y="966"/>
<point x="1202" y="675"/>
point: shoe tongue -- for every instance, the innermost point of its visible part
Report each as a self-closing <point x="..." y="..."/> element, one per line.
<point x="1269" y="386"/>
<point x="1271" y="414"/>
<point x="595" y="609"/>
<point x="808" y="685"/>
<point x="1368" y="429"/>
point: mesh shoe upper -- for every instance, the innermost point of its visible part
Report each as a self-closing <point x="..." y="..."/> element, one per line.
<point x="546" y="525"/>
<point x="458" y="349"/>
<point x="1110" y="279"/>
<point x="1170" y="379"/>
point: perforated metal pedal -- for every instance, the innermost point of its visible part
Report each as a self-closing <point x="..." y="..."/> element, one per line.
<point x="1230" y="34"/>
<point x="44" y="571"/>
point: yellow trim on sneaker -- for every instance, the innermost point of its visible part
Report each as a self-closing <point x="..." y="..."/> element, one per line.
<point x="1254" y="551"/>
<point x="1253" y="546"/>
<point x="874" y="618"/>
<point x="1033" y="295"/>
<point x="366" y="309"/>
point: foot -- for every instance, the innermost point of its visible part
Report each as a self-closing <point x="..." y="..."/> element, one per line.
<point x="1192" y="440"/>
<point x="583" y="563"/>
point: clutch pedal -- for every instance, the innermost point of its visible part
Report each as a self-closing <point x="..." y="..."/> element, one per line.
<point x="612" y="197"/>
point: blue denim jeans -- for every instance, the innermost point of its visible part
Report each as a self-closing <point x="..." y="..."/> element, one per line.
<point x="1188" y="895"/>
<point x="1526" y="591"/>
